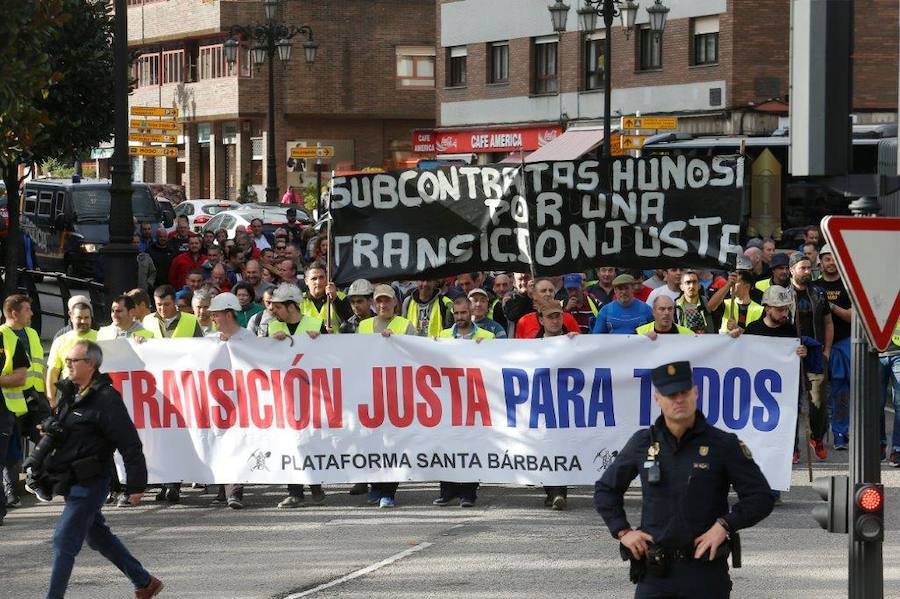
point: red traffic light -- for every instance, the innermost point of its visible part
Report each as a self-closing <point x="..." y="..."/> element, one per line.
<point x="869" y="498"/>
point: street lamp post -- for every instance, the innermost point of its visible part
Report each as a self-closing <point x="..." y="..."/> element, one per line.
<point x="269" y="39"/>
<point x="608" y="10"/>
<point x="118" y="257"/>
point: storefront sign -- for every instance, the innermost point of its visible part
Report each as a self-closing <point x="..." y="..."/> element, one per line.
<point x="483" y="140"/>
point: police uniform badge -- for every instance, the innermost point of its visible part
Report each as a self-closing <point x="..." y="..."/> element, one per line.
<point x="671" y="370"/>
<point x="745" y="450"/>
<point x="704" y="450"/>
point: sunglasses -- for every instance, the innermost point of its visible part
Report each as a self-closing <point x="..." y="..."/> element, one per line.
<point x="70" y="361"/>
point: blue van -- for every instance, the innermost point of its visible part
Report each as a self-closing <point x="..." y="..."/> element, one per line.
<point x="69" y="222"/>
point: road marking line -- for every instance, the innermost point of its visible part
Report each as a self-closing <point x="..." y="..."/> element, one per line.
<point x="361" y="572"/>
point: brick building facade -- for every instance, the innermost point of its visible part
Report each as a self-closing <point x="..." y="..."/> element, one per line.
<point x="351" y="97"/>
<point x="721" y="66"/>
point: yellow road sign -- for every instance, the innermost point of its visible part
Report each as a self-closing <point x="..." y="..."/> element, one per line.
<point x="649" y="122"/>
<point x="157" y="137"/>
<point x="153" y="111"/>
<point x="615" y="144"/>
<point x="152" y="151"/>
<point x="155" y="125"/>
<point x="632" y="142"/>
<point x="313" y="152"/>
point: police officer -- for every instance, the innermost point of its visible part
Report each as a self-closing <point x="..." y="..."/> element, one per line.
<point x="686" y="468"/>
<point x="92" y="422"/>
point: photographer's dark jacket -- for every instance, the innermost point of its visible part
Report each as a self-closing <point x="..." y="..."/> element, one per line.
<point x="95" y="424"/>
<point x="696" y="473"/>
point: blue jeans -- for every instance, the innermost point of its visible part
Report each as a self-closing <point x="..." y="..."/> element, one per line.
<point x="81" y="519"/>
<point x="890" y="370"/>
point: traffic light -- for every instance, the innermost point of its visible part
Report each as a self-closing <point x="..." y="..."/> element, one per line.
<point x="834" y="490"/>
<point x="868" y="512"/>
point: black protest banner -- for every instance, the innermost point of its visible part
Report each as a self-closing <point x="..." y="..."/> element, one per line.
<point x="546" y="217"/>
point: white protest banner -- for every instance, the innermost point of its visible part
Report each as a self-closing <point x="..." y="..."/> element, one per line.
<point x="355" y="408"/>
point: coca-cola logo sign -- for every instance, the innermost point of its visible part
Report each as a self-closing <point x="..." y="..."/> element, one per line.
<point x="446" y="142"/>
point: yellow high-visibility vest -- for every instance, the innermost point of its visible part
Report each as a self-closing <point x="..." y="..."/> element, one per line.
<point x="60" y="349"/>
<point x="479" y="333"/>
<point x="646" y="328"/>
<point x="308" y="308"/>
<point x="110" y="332"/>
<point x="435" y="318"/>
<point x="185" y="327"/>
<point x="14" y="396"/>
<point x="307" y="324"/>
<point x="398" y="326"/>
<point x="754" y="312"/>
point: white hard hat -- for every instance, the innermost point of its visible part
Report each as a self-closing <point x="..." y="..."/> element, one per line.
<point x="286" y="293"/>
<point x="225" y="301"/>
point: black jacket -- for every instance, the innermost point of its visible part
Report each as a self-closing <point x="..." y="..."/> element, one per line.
<point x="96" y="424"/>
<point x="696" y="474"/>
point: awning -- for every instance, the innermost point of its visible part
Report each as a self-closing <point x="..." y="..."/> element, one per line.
<point x="101" y="153"/>
<point x="515" y="158"/>
<point x="571" y="145"/>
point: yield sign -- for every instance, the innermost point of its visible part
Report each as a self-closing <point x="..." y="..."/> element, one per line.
<point x="867" y="251"/>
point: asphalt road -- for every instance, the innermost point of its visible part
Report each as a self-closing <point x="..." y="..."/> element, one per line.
<point x="507" y="546"/>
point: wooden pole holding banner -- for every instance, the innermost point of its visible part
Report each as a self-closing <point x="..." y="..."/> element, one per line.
<point x="328" y="261"/>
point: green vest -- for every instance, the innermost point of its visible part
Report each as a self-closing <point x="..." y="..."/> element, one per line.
<point x="754" y="312"/>
<point x="307" y="324"/>
<point x="14" y="396"/>
<point x="646" y="328"/>
<point x="308" y="308"/>
<point x="479" y="333"/>
<point x="895" y="338"/>
<point x="764" y="284"/>
<point x="185" y="327"/>
<point x="435" y="318"/>
<point x="109" y="332"/>
<point x="398" y="326"/>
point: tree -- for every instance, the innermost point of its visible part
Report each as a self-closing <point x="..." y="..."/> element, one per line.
<point x="57" y="81"/>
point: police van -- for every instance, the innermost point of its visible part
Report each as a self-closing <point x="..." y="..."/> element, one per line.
<point x="69" y="221"/>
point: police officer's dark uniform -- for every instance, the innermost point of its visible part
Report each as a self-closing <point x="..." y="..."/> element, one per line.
<point x="684" y="485"/>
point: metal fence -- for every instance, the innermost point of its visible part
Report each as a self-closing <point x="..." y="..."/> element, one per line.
<point x="57" y="284"/>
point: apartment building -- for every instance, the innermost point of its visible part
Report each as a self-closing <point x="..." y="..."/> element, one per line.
<point x="368" y="89"/>
<point x="506" y="81"/>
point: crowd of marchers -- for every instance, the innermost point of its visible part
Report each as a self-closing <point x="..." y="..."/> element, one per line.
<point x="276" y="285"/>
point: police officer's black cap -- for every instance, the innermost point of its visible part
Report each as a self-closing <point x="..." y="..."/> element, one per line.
<point x="672" y="378"/>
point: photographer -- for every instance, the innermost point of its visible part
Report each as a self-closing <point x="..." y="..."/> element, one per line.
<point x="91" y="423"/>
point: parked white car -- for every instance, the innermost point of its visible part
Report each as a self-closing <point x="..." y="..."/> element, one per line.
<point x="200" y="212"/>
<point x="230" y="220"/>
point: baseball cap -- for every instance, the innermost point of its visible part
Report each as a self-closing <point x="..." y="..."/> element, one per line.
<point x="384" y="291"/>
<point x="826" y="249"/>
<point x="225" y="301"/>
<point x="743" y="263"/>
<point x="572" y="280"/>
<point x="779" y="260"/>
<point x="360" y="287"/>
<point x="545" y="306"/>
<point x="623" y="280"/>
<point x="756" y="242"/>
<point x="672" y="378"/>
<point x="777" y="297"/>
<point x="477" y="291"/>
<point x="286" y="293"/>
<point x="80" y="299"/>
<point x="796" y="258"/>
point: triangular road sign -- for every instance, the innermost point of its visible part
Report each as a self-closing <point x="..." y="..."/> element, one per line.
<point x="867" y="251"/>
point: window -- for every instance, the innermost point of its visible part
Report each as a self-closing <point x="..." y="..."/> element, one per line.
<point x="44" y="202"/>
<point x="706" y="40"/>
<point x="173" y="66"/>
<point x="212" y="63"/>
<point x="30" y="204"/>
<point x="499" y="67"/>
<point x="546" y="71"/>
<point x="649" y="49"/>
<point x="594" y="49"/>
<point x="456" y="66"/>
<point x="146" y="70"/>
<point x="415" y="66"/>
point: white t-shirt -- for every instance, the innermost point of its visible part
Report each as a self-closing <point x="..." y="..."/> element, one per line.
<point x="662" y="290"/>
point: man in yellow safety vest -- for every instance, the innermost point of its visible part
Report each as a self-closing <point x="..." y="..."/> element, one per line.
<point x="82" y="318"/>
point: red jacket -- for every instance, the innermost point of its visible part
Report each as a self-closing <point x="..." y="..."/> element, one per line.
<point x="528" y="326"/>
<point x="181" y="265"/>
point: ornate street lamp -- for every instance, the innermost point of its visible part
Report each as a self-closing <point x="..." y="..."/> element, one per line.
<point x="269" y="39"/>
<point x="608" y="10"/>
